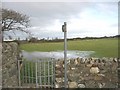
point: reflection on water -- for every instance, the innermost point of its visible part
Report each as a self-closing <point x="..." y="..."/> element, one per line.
<point x="56" y="54"/>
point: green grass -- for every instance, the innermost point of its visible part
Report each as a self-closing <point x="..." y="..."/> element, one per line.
<point x="53" y="46"/>
<point x="102" y="47"/>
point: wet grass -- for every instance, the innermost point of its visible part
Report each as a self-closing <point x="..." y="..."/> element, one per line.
<point x="102" y="47"/>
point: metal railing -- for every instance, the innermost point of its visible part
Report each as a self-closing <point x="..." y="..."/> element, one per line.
<point x="37" y="73"/>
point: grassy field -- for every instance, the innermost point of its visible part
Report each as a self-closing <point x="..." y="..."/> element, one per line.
<point x="102" y="47"/>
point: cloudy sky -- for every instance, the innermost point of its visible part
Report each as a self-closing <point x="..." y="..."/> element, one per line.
<point x="83" y="18"/>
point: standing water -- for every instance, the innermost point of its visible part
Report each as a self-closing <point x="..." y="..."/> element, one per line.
<point x="56" y="54"/>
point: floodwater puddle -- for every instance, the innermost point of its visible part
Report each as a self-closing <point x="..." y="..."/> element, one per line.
<point x="56" y="54"/>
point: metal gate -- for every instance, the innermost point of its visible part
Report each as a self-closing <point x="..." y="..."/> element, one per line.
<point x="37" y="73"/>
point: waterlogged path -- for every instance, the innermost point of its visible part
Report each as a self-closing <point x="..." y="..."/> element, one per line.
<point x="56" y="54"/>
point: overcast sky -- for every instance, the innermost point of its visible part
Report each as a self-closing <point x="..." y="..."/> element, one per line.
<point x="83" y="18"/>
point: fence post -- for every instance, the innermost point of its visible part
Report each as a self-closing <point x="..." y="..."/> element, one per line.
<point x="64" y="29"/>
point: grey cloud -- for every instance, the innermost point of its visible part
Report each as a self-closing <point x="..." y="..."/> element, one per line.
<point x="43" y="14"/>
<point x="46" y="12"/>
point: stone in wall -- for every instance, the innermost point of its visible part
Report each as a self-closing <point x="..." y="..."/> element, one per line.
<point x="90" y="73"/>
<point x="10" y="53"/>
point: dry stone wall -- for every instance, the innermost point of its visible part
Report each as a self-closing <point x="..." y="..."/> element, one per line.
<point x="0" y="65"/>
<point x="81" y="72"/>
<point x="88" y="73"/>
<point x="10" y="54"/>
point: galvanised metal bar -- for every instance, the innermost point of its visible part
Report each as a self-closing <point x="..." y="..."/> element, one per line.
<point x="32" y="64"/>
<point x="54" y="62"/>
<point x="28" y="72"/>
<point x="64" y="29"/>
<point x="36" y="74"/>
<point x="48" y="74"/>
<point x="40" y="73"/>
<point x="52" y="74"/>
<point x="44" y="73"/>
<point x="25" y="72"/>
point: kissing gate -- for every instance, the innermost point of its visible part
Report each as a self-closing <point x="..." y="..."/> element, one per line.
<point x="41" y="73"/>
<point x="37" y="73"/>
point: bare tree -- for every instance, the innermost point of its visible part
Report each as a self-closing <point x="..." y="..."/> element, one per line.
<point x="12" y="21"/>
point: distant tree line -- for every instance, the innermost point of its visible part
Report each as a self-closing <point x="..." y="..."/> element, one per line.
<point x="36" y="40"/>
